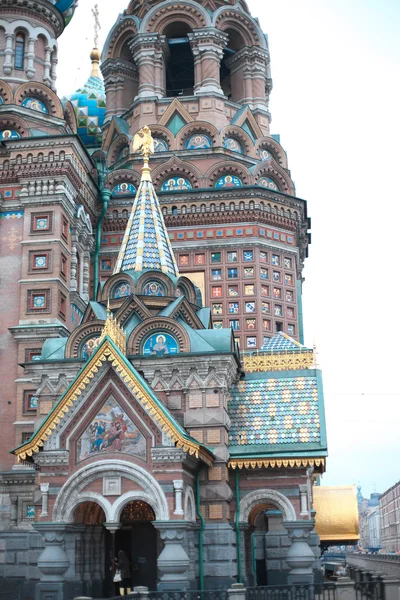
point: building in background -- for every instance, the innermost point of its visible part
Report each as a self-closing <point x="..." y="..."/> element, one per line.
<point x="127" y="292"/>
<point x="389" y="506"/>
<point x="369" y="516"/>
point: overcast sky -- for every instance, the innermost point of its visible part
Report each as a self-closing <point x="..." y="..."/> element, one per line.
<point x="335" y="103"/>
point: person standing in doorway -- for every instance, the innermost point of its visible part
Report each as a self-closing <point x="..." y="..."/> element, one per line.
<point x="123" y="565"/>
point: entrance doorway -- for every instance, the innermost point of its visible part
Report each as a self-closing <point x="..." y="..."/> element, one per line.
<point x="137" y="537"/>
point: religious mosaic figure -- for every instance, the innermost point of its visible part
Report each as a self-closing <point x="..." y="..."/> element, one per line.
<point x="111" y="431"/>
<point x="160" y="344"/>
<point x="198" y="142"/>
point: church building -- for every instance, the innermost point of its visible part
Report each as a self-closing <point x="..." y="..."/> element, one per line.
<point x="157" y="396"/>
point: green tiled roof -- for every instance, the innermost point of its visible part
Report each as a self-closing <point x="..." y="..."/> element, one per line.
<point x="277" y="413"/>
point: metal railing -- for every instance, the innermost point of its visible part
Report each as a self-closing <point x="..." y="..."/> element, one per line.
<point x="369" y="590"/>
<point x="317" y="591"/>
<point x="181" y="595"/>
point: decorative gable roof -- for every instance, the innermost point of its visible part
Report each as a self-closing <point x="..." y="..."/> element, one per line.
<point x="282" y="342"/>
<point x="108" y="353"/>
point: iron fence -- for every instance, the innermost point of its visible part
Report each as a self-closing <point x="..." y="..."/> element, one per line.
<point x="317" y="591"/>
<point x="181" y="595"/>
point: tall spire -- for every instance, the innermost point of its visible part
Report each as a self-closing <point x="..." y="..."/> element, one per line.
<point x="146" y="245"/>
<point x="95" y="53"/>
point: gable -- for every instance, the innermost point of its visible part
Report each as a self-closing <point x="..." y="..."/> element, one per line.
<point x="107" y="356"/>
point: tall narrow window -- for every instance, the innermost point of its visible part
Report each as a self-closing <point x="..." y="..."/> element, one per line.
<point x="19" y="51"/>
<point x="180" y="63"/>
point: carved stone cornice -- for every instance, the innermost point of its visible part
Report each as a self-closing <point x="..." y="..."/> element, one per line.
<point x="168" y="454"/>
<point x="52" y="458"/>
<point x="228" y="217"/>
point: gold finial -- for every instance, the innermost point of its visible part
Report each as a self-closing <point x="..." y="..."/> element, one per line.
<point x="114" y="331"/>
<point x="144" y="144"/>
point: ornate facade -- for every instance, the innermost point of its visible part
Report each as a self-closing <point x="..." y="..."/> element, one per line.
<point x="133" y="420"/>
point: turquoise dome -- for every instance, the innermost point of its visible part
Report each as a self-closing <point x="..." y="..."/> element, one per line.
<point x="89" y="104"/>
<point x="66" y="7"/>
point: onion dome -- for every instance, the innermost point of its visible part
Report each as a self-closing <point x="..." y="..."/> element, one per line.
<point x="66" y="8"/>
<point x="89" y="103"/>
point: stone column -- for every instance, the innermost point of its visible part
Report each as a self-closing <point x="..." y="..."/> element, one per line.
<point x="74" y="263"/>
<point x="237" y="592"/>
<point x="53" y="74"/>
<point x="8" y="54"/>
<point x="207" y="46"/>
<point x="14" y="511"/>
<point x="85" y="275"/>
<point x="173" y="561"/>
<point x="248" y="69"/>
<point x="303" y="500"/>
<point x="47" y="66"/>
<point x="178" y="487"/>
<point x="144" y="49"/>
<point x="53" y="562"/>
<point x="44" y="488"/>
<point x="300" y="557"/>
<point x="30" y="55"/>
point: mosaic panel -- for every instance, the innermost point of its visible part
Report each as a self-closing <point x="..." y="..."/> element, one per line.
<point x="176" y="183"/>
<point x="274" y="411"/>
<point x="233" y="145"/>
<point x="121" y="290"/>
<point x="111" y="430"/>
<point x="35" y="104"/>
<point x="123" y="189"/>
<point x="228" y="181"/>
<point x="89" y="346"/>
<point x="198" y="142"/>
<point x="264" y="154"/>
<point x="160" y="145"/>
<point x="160" y="344"/>
<point x="268" y="183"/>
<point x="153" y="288"/>
<point x="9" y="134"/>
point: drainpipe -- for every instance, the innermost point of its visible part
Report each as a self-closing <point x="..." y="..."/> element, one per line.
<point x="201" y="529"/>
<point x="238" y="548"/>
<point x="105" y="197"/>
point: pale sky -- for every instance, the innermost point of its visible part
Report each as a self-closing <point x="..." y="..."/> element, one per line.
<point x="336" y="72"/>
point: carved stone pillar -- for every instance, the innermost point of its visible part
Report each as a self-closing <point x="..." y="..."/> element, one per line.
<point x="303" y="500"/>
<point x="30" y="55"/>
<point x="53" y="74"/>
<point x="207" y="46"/>
<point x="47" y="66"/>
<point x="74" y="263"/>
<point x="14" y="511"/>
<point x="147" y="51"/>
<point x="85" y="275"/>
<point x="53" y="562"/>
<point x="178" y="487"/>
<point x="8" y="54"/>
<point x="44" y="488"/>
<point x="300" y="557"/>
<point x="249" y="70"/>
<point x="173" y="562"/>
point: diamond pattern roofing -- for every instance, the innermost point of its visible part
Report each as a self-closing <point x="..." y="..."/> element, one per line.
<point x="275" y="414"/>
<point x="282" y="342"/>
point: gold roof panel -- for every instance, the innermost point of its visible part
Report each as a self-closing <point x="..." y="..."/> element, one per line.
<point x="336" y="513"/>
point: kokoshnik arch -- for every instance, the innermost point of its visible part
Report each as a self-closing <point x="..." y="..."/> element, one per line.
<point x="157" y="394"/>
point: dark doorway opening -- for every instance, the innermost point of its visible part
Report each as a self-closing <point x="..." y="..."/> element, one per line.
<point x="137" y="537"/>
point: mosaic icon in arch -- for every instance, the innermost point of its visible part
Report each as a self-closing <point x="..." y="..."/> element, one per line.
<point x="264" y="154"/>
<point x="35" y="104"/>
<point x="160" y="344"/>
<point x="160" y="145"/>
<point x="198" y="142"/>
<point x="123" y="189"/>
<point x="176" y="183"/>
<point x="123" y="152"/>
<point x="9" y="134"/>
<point x="121" y="290"/>
<point x="89" y="346"/>
<point x="154" y="288"/>
<point x="111" y="430"/>
<point x="233" y="145"/>
<point x="228" y="181"/>
<point x="268" y="183"/>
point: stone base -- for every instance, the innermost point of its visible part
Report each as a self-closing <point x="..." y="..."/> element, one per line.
<point x="219" y="556"/>
<point x="181" y="586"/>
<point x="49" y="591"/>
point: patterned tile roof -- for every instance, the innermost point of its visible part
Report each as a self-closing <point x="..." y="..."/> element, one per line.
<point x="277" y="414"/>
<point x="146" y="244"/>
<point x="282" y="342"/>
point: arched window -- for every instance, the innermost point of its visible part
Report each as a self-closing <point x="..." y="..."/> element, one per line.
<point x="164" y="210"/>
<point x="124" y="214"/>
<point x="174" y="210"/>
<point x="203" y="208"/>
<point x="40" y="157"/>
<point x="115" y="214"/>
<point x="232" y="206"/>
<point x="19" y="51"/>
<point x="183" y="209"/>
<point x="51" y="156"/>
<point x="29" y="158"/>
<point x="193" y="208"/>
<point x="62" y="155"/>
<point x="180" y="63"/>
